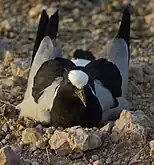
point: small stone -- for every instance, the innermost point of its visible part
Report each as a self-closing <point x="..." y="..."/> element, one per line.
<point x="31" y="135"/>
<point x="32" y="147"/>
<point x="60" y="128"/>
<point x="15" y="91"/>
<point x="27" y="161"/>
<point x="59" y="142"/>
<point x="5" y="127"/>
<point x="3" y="141"/>
<point x="5" y="26"/>
<point x="7" y="156"/>
<point x="35" y="163"/>
<point x="152" y="109"/>
<point x="50" y="130"/>
<point x="91" y="161"/>
<point x="117" y="163"/>
<point x="8" y="137"/>
<point x="8" y="83"/>
<point x="151" y="148"/>
<point x="152" y="59"/>
<point x="11" y="127"/>
<point x="80" y="139"/>
<point x="39" y="127"/>
<point x="8" y="58"/>
<point x="97" y="162"/>
<point x="94" y="157"/>
<point x="79" y="163"/>
<point x="133" y="125"/>
<point x="41" y="144"/>
<point x="21" y="128"/>
<point x="108" y="160"/>
<point x="107" y="128"/>
<point x="76" y="13"/>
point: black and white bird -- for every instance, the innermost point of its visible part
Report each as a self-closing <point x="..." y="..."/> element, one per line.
<point x="81" y="91"/>
<point x="82" y="57"/>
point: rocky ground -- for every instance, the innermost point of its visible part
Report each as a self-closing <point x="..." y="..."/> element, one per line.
<point x="88" y="25"/>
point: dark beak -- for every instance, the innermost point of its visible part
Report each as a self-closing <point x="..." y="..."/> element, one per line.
<point x="81" y="95"/>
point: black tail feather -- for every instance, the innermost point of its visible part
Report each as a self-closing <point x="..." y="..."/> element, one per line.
<point x="124" y="29"/>
<point x="52" y="27"/>
<point x="44" y="19"/>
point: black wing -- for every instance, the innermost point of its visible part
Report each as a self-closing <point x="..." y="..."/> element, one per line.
<point x="48" y="73"/>
<point x="107" y="73"/>
<point x="40" y="32"/>
<point x="124" y="29"/>
<point x="52" y="27"/>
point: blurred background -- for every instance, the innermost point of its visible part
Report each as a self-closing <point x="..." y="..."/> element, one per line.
<point x="86" y="24"/>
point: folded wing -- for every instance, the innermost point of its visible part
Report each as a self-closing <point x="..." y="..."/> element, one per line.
<point x="107" y="73"/>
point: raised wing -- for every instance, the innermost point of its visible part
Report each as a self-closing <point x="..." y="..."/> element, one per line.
<point x="45" y="52"/>
<point x="44" y="19"/>
<point x="49" y="73"/>
<point x="117" y="50"/>
<point x="47" y="27"/>
<point x="107" y="73"/>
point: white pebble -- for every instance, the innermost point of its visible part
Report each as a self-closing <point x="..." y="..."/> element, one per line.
<point x="11" y="127"/>
<point x="5" y="128"/>
<point x="94" y="157"/>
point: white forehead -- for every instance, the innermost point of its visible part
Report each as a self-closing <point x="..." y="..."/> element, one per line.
<point x="78" y="78"/>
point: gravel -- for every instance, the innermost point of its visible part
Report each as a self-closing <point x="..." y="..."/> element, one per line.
<point x="83" y="24"/>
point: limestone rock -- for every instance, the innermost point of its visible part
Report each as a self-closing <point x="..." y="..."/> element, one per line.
<point x="30" y="135"/>
<point x="80" y="139"/>
<point x="97" y="162"/>
<point x="75" y="139"/>
<point x="107" y="128"/>
<point x="8" y="156"/>
<point x="152" y="148"/>
<point x="59" y="143"/>
<point x="133" y="125"/>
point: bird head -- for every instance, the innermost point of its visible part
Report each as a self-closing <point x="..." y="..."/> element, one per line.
<point x="74" y="82"/>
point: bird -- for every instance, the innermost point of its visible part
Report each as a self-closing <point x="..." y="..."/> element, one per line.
<point x="82" y="91"/>
<point x="82" y="57"/>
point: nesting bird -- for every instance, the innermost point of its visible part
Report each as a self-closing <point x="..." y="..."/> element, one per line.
<point x="82" y="91"/>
